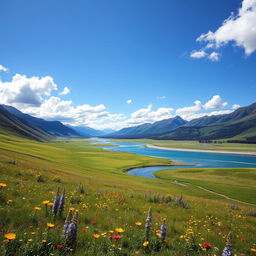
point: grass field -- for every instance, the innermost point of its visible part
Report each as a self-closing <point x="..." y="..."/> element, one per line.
<point x="112" y="203"/>
<point x="196" y="145"/>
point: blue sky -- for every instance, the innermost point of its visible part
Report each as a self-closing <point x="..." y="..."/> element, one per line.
<point x="108" y="52"/>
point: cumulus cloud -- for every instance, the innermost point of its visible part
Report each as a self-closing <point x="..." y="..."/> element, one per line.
<point x="214" y="56"/>
<point x="215" y="102"/>
<point x="65" y="91"/>
<point x="129" y="101"/>
<point x="198" y="54"/>
<point x="22" y="90"/>
<point x="2" y="68"/>
<point x="235" y="106"/>
<point x="191" y="112"/>
<point x="240" y="29"/>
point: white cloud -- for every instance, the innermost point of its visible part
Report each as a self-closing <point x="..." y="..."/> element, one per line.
<point x="186" y="112"/>
<point x="214" y="56"/>
<point x="198" y="54"/>
<point x="240" y="28"/>
<point x="26" y="91"/>
<point x="65" y="91"/>
<point x="191" y="112"/>
<point x="129" y="101"/>
<point x="235" y="106"/>
<point x="161" y="97"/>
<point x="215" y="102"/>
<point x="2" y="68"/>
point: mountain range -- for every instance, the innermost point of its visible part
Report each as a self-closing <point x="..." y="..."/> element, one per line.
<point x="239" y="126"/>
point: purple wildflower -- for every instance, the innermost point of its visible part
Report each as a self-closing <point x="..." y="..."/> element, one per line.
<point x="71" y="233"/>
<point x="56" y="202"/>
<point x="62" y="203"/>
<point x="67" y="221"/>
<point x="148" y="224"/>
<point x="163" y="230"/>
<point x="228" y="251"/>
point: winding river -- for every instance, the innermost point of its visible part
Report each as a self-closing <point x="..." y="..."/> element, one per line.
<point x="197" y="159"/>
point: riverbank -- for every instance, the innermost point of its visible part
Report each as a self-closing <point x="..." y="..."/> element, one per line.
<point x="204" y="151"/>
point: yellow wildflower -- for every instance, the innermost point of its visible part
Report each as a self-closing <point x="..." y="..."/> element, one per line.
<point x="50" y="204"/>
<point x="2" y="185"/>
<point x="119" y="230"/>
<point x="10" y="236"/>
<point x="37" y="208"/>
<point x="138" y="223"/>
<point x="6" y="241"/>
<point x="9" y="201"/>
<point x="50" y="225"/>
<point x="46" y="202"/>
<point x="96" y="236"/>
<point x="30" y="240"/>
<point x="146" y="243"/>
<point x="43" y="241"/>
<point x="253" y="250"/>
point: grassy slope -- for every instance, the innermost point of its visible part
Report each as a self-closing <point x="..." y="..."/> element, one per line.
<point x="67" y="164"/>
<point x="236" y="183"/>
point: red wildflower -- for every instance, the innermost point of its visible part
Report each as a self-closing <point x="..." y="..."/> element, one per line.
<point x="59" y="245"/>
<point x="84" y="230"/>
<point x="117" y="237"/>
<point x="93" y="221"/>
<point x="207" y="245"/>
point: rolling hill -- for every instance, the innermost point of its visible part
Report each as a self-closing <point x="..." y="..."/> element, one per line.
<point x="11" y="124"/>
<point x="148" y="129"/>
<point x="55" y="128"/>
<point x="237" y="126"/>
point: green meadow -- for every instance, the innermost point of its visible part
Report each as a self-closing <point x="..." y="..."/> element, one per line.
<point x="112" y="206"/>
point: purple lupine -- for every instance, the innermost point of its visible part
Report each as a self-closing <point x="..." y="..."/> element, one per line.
<point x="148" y="224"/>
<point x="163" y="230"/>
<point x="71" y="233"/>
<point x="67" y="221"/>
<point x="228" y="251"/>
<point x="62" y="203"/>
<point x="56" y="202"/>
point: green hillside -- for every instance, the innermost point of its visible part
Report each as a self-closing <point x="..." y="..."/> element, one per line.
<point x="10" y="124"/>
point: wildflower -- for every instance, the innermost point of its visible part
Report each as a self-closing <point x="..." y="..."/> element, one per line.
<point x="71" y="233"/>
<point x="252" y="250"/>
<point x="37" y="208"/>
<point x="93" y="221"/>
<point x="146" y="243"/>
<point x="2" y="185"/>
<point x="10" y="236"/>
<point x="9" y="201"/>
<point x="84" y="230"/>
<point x="30" y="240"/>
<point x="67" y="221"/>
<point x="50" y="225"/>
<point x="56" y="202"/>
<point x="59" y="246"/>
<point x="46" y="202"/>
<point x="43" y="241"/>
<point x="71" y="208"/>
<point x="228" y="251"/>
<point x="119" y="230"/>
<point x="96" y="236"/>
<point x="62" y="203"/>
<point x="117" y="237"/>
<point x="138" y="223"/>
<point x="148" y="223"/>
<point x="6" y="241"/>
<point x="207" y="245"/>
<point x="163" y="230"/>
